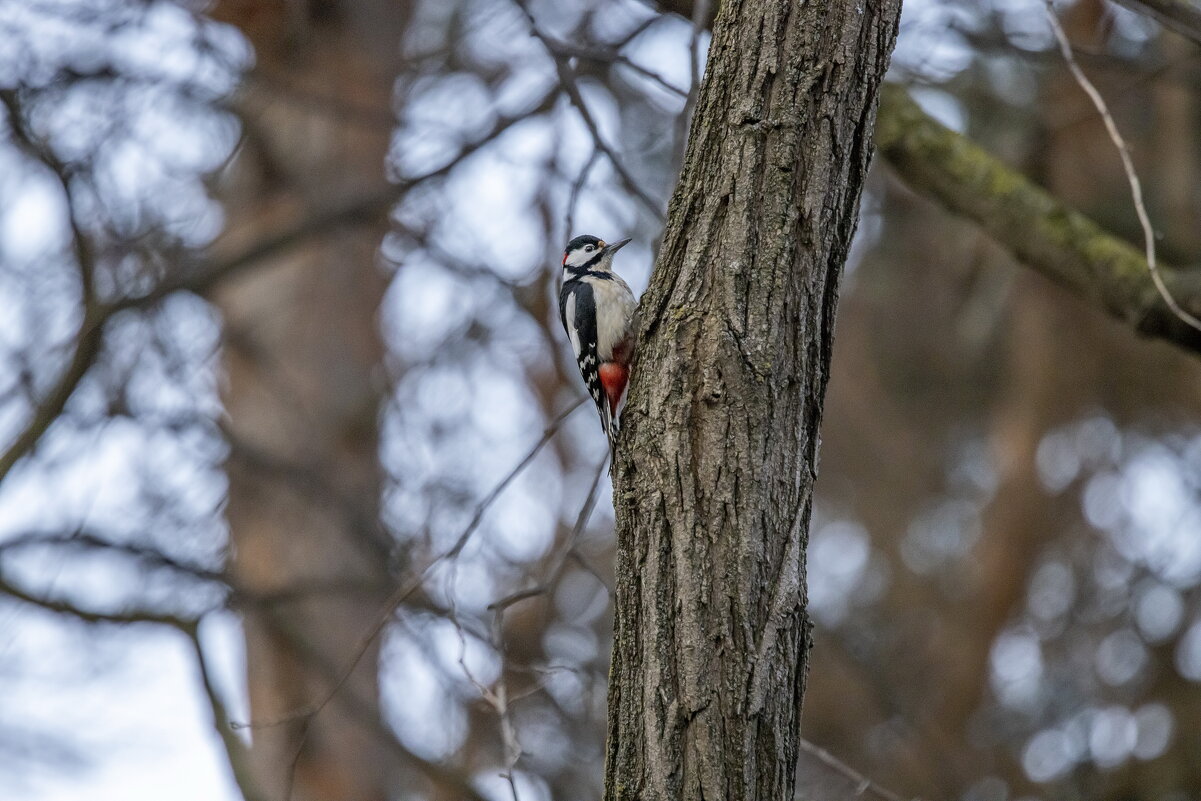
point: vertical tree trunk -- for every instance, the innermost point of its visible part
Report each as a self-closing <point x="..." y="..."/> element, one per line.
<point x="719" y="453"/>
<point x="302" y="358"/>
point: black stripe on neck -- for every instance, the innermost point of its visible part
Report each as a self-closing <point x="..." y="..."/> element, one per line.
<point x="579" y="272"/>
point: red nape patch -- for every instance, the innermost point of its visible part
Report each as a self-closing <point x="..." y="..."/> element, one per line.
<point x="613" y="378"/>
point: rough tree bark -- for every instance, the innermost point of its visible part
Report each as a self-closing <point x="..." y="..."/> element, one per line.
<point x="302" y="355"/>
<point x="719" y="453"/>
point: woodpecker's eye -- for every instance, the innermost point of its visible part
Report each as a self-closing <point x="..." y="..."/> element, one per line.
<point x="588" y="248"/>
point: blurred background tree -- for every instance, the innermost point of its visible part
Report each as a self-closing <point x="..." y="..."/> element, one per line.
<point x="280" y="346"/>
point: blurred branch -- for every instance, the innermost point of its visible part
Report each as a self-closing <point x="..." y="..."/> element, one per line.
<point x="406" y="589"/>
<point x="568" y="549"/>
<point x="87" y="344"/>
<point x="62" y="172"/>
<point x="88" y="339"/>
<point x="202" y="277"/>
<point x="822" y="777"/>
<point x="151" y="557"/>
<point x="96" y="616"/>
<point x="1179" y="15"/>
<point x="1038" y="229"/>
<point x="235" y="750"/>
<point x="340" y="675"/>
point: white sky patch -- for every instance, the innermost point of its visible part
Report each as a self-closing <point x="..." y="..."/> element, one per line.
<point x="837" y="558"/>
<point x="149" y="729"/>
<point x="429" y="720"/>
<point x="664" y="49"/>
<point x="423" y="305"/>
<point x="1163" y="516"/>
<point x="1112" y="736"/>
<point x="492" y="220"/>
<point x="32" y="221"/>
<point x="1158" y="611"/>
<point x="1017" y="667"/>
<point x="1155" y="729"/>
<point x="98" y="487"/>
<point x="1048" y="755"/>
<point x="928" y="47"/>
<point x="1052" y="591"/>
<point x="1121" y="657"/>
<point x="524" y="524"/>
<point x="943" y="107"/>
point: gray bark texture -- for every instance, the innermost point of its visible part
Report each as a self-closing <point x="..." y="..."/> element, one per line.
<point x="718" y="455"/>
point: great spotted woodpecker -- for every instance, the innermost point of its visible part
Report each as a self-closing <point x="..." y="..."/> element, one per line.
<point x="597" y="309"/>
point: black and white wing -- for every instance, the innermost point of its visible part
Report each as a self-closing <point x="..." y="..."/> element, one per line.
<point x="577" y="309"/>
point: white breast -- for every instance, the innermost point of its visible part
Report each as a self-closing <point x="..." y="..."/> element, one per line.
<point x="615" y="307"/>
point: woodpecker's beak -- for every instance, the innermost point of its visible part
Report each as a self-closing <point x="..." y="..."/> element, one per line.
<point x="616" y="246"/>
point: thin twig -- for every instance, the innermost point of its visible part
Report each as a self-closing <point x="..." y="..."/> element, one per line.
<point x="567" y="80"/>
<point x="1136" y="189"/>
<point x="862" y="783"/>
<point x="569" y="548"/>
<point x="403" y="591"/>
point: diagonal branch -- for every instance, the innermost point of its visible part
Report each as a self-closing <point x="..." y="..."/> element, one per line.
<point x="235" y="750"/>
<point x="1136" y="189"/>
<point x="1038" y="229"/>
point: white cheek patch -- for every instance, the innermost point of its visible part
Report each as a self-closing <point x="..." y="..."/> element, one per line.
<point x="578" y="257"/>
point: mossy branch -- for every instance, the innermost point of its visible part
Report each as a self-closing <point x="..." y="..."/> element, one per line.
<point x="1038" y="229"/>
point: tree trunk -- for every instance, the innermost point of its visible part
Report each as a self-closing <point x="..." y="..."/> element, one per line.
<point x="302" y="357"/>
<point x="719" y="453"/>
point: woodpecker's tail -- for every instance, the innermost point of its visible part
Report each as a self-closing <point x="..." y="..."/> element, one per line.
<point x="612" y="426"/>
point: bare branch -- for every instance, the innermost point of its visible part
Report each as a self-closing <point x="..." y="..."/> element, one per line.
<point x="95" y="616"/>
<point x="1037" y="228"/>
<point x="1136" y="189"/>
<point x="151" y="557"/>
<point x="404" y="590"/>
<point x="821" y="777"/>
<point x="567" y="79"/>
<point x="235" y="749"/>
<point x="62" y="172"/>
<point x="87" y="344"/>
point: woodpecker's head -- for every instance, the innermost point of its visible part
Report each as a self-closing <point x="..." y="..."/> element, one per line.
<point x="588" y="252"/>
